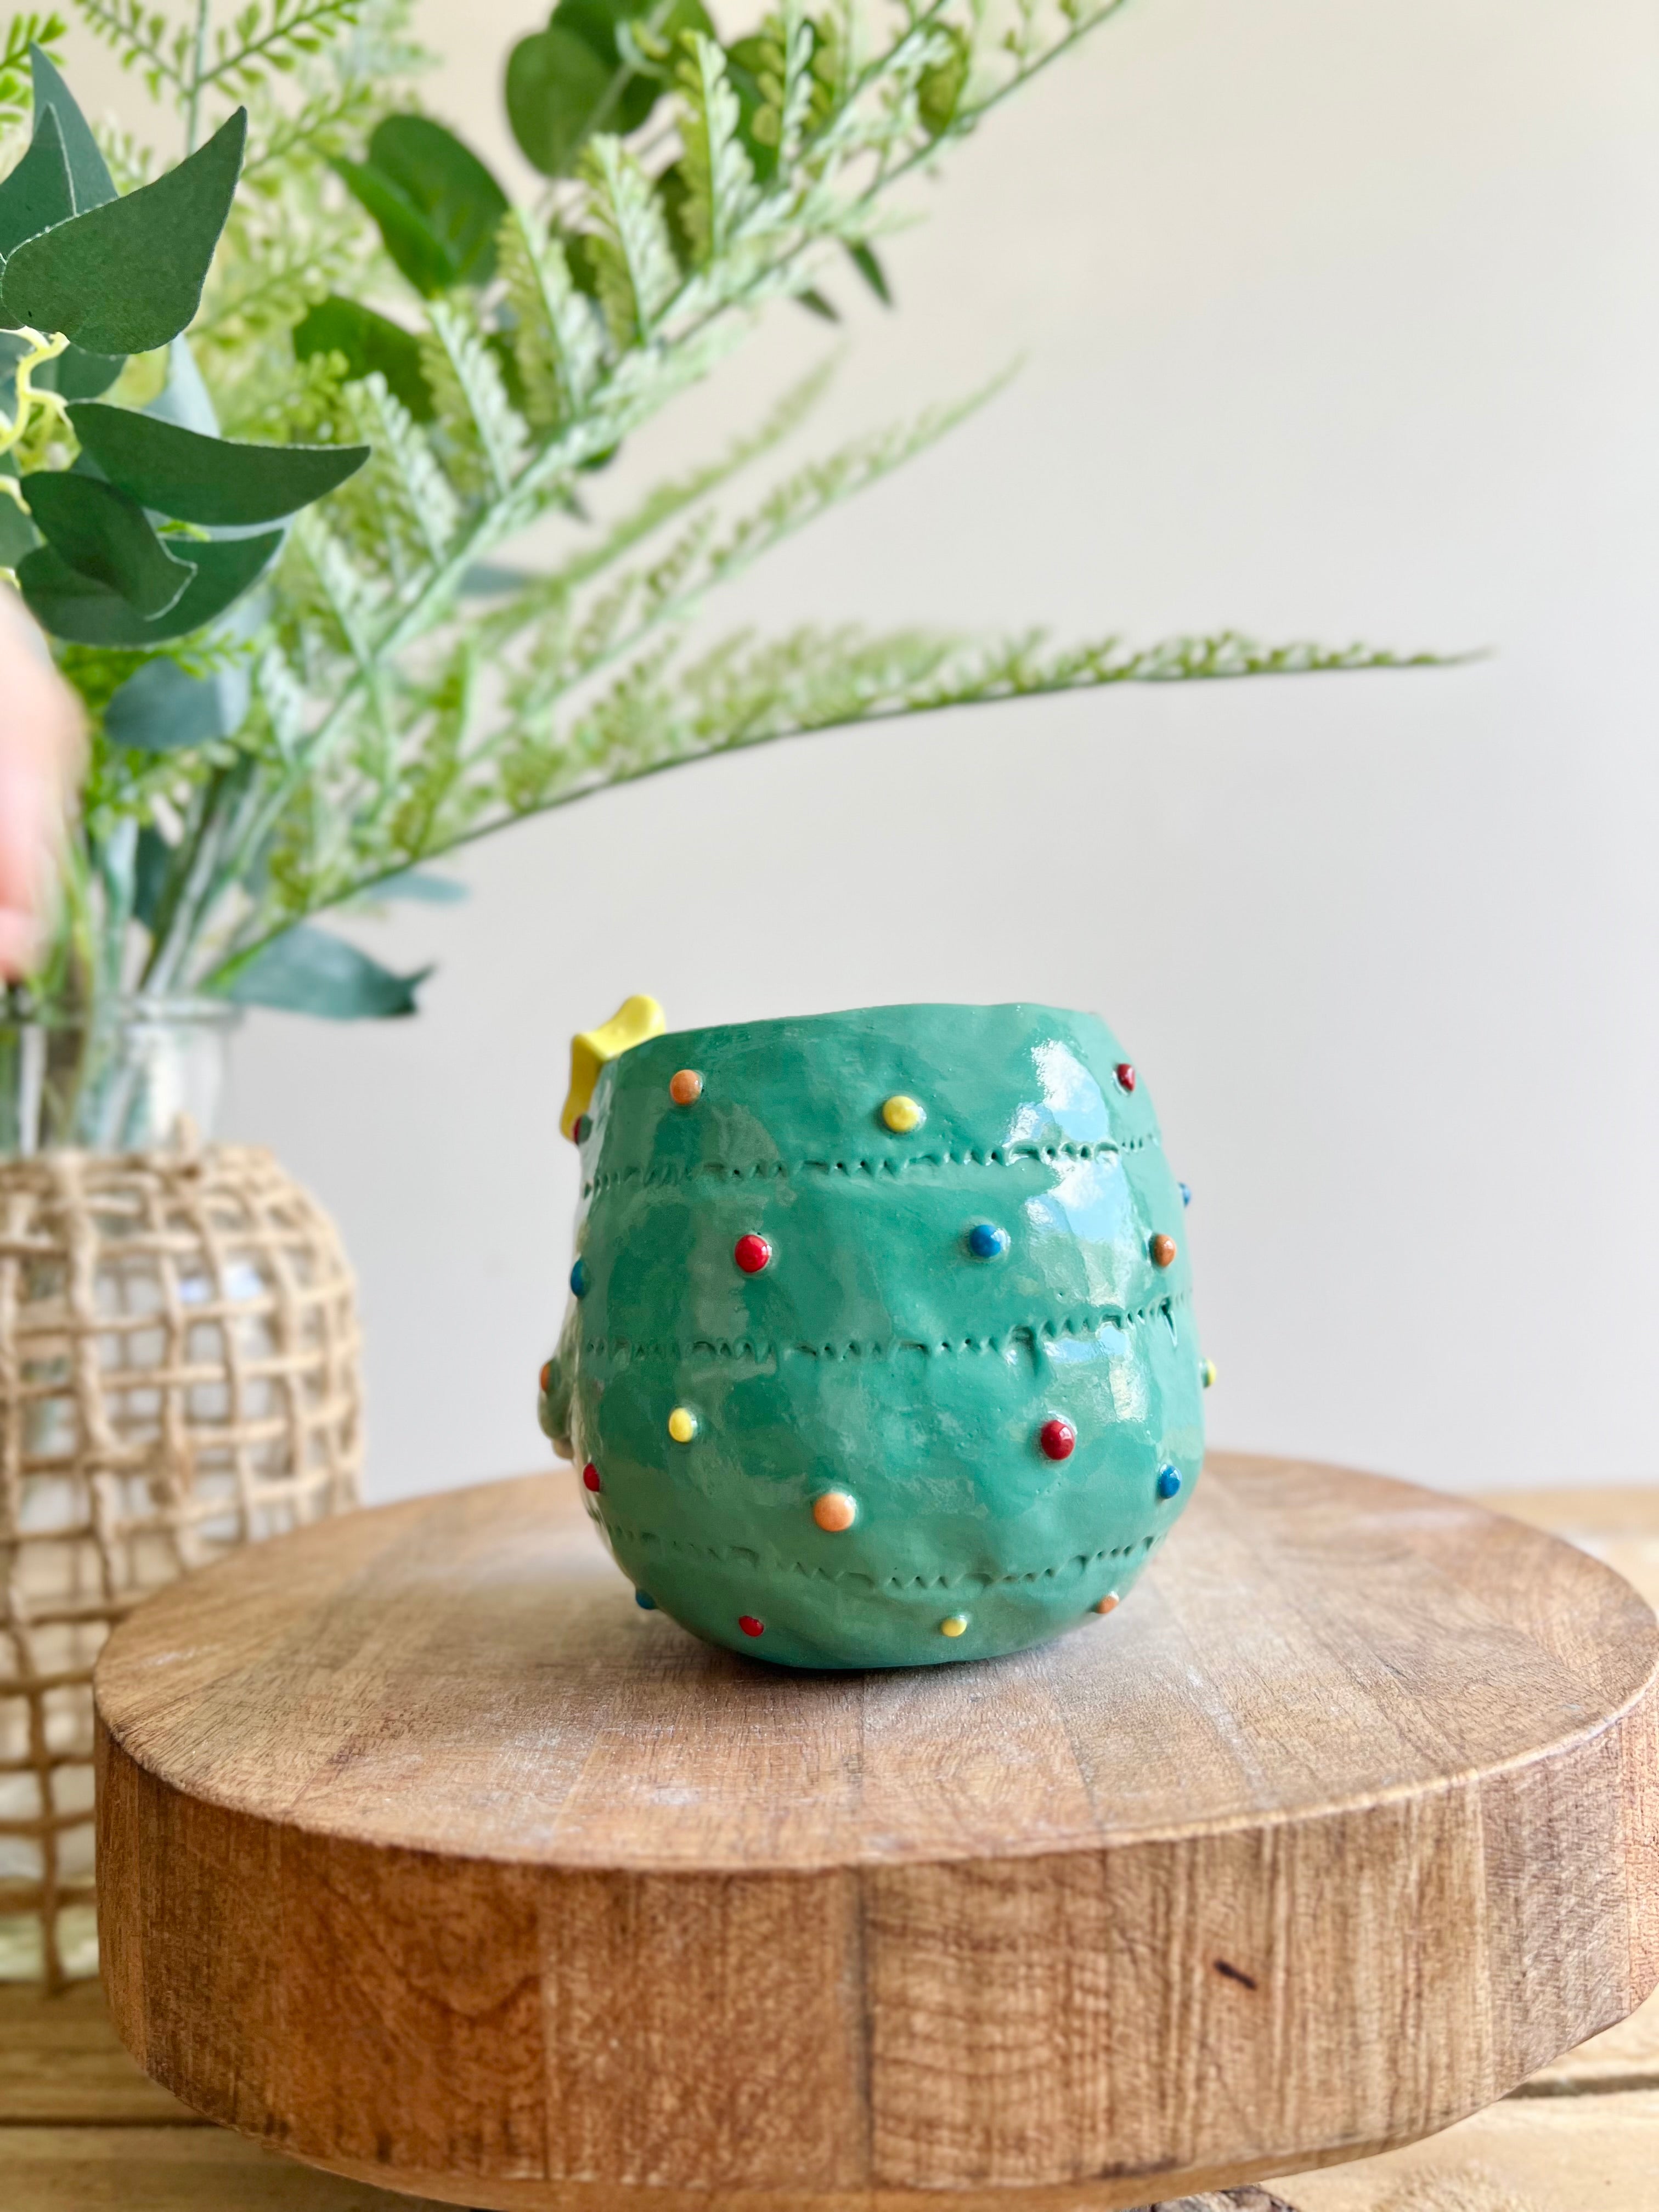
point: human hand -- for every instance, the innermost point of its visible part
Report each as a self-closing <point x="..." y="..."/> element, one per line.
<point x="40" y="751"/>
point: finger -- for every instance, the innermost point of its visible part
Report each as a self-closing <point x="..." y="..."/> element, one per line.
<point x="39" y="753"/>
<point x="20" y="941"/>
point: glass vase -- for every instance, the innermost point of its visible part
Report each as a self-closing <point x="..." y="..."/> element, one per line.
<point x="131" y="1076"/>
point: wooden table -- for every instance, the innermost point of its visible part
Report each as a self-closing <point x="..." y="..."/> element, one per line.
<point x="80" y="2128"/>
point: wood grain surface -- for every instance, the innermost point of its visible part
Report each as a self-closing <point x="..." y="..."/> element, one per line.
<point x="427" y="1857"/>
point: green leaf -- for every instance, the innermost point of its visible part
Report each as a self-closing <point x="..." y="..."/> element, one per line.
<point x="13" y="346"/>
<point x="127" y="276"/>
<point x="646" y="36"/>
<point x="863" y="259"/>
<point x="164" y="707"/>
<point x="425" y="889"/>
<point x="599" y="65"/>
<point x="72" y="606"/>
<point x="104" y="534"/>
<point x="37" y="193"/>
<point x="307" y="971"/>
<point x="940" y="89"/>
<point x="90" y="175"/>
<point x="416" y="249"/>
<point x="558" y="92"/>
<point x="152" y="861"/>
<point x="17" y="534"/>
<point x="814" y="304"/>
<point x="368" y="343"/>
<point x="462" y="203"/>
<point x="78" y="374"/>
<point x="209" y="480"/>
<point x="437" y="206"/>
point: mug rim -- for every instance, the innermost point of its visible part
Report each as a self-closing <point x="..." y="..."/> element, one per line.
<point x="896" y="1006"/>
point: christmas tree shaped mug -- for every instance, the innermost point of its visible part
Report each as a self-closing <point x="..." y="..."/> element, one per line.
<point x="880" y="1348"/>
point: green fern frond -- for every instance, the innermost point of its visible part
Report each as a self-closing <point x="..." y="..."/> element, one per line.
<point x="131" y="163"/>
<point x="342" y="594"/>
<point x="788" y="42"/>
<point x="486" y="438"/>
<point x="145" y="40"/>
<point x="403" y="475"/>
<point x="705" y="556"/>
<point x="278" y="269"/>
<point x="741" y="692"/>
<point x="322" y="127"/>
<point x="637" y="273"/>
<point x="557" y="344"/>
<point x="544" y="595"/>
<point x="22" y="32"/>
<point x="275" y="35"/>
<point x="720" y="181"/>
<point x="394" y="718"/>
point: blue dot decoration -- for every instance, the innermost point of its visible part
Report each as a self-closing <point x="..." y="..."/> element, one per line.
<point x="987" y="1242"/>
<point x="645" y="1601"/>
<point x="1169" y="1481"/>
<point x="1186" y="1190"/>
<point x="579" y="1279"/>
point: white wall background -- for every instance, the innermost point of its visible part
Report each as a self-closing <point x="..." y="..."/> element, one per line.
<point x="1339" y="320"/>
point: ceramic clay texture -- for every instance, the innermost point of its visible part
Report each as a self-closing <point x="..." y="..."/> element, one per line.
<point x="884" y="1351"/>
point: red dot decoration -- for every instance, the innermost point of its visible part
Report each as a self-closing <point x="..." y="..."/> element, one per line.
<point x="749" y="1626"/>
<point x="1058" y="1439"/>
<point x="752" y="1253"/>
<point x="590" y="1476"/>
<point x="1125" y="1074"/>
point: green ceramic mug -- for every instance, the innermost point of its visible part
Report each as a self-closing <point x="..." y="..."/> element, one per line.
<point x="880" y="1349"/>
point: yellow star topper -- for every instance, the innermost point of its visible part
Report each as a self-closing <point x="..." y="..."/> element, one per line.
<point x="634" y="1021"/>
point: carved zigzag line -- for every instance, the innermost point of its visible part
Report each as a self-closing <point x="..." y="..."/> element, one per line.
<point x="666" y="1176"/>
<point x="1075" y="1328"/>
<point x="745" y="1556"/>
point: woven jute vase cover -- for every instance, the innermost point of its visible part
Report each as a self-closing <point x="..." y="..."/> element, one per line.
<point x="178" y="1374"/>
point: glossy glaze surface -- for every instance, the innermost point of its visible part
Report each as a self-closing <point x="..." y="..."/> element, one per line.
<point x="884" y="1351"/>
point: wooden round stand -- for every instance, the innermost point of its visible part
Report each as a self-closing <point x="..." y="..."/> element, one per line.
<point x="425" y="1856"/>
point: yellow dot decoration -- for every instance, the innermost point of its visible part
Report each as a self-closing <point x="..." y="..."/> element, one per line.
<point x="956" y="1624"/>
<point x="682" y="1425"/>
<point x="1206" y="1375"/>
<point x="902" y="1114"/>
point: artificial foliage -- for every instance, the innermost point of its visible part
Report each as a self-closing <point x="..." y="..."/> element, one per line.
<point x="280" y="401"/>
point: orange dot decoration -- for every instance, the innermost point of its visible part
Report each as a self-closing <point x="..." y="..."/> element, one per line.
<point x="541" y="1380"/>
<point x="1109" y="1603"/>
<point x="835" y="1511"/>
<point x="685" y="1086"/>
<point x="1163" y="1249"/>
